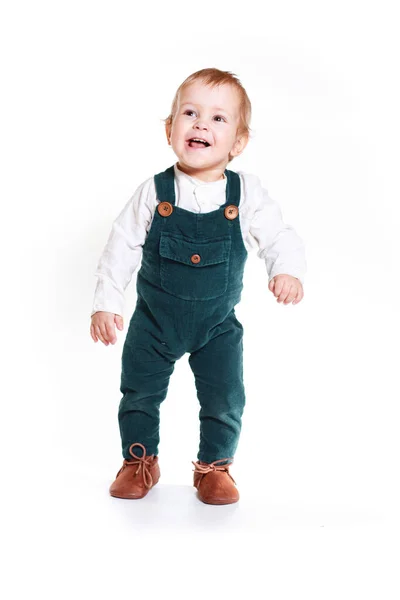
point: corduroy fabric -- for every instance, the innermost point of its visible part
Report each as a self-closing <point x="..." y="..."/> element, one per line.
<point x="185" y="307"/>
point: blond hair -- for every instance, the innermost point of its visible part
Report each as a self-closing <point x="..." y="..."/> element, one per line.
<point x="214" y="77"/>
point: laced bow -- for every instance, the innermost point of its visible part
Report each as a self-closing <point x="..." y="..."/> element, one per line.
<point x="208" y="467"/>
<point x="144" y="463"/>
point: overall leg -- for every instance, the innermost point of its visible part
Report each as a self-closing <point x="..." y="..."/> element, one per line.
<point x="218" y="370"/>
<point x="147" y="364"/>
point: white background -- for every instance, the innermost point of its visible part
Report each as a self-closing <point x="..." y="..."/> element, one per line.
<point x="85" y="88"/>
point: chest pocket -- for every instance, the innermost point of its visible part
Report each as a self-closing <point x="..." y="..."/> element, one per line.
<point x="194" y="270"/>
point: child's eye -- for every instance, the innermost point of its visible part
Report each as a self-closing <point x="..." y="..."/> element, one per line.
<point x="192" y="111"/>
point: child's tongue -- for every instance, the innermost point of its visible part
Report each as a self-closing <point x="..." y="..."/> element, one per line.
<point x="197" y="145"/>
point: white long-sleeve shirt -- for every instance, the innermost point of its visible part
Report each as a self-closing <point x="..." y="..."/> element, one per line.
<point x="261" y="225"/>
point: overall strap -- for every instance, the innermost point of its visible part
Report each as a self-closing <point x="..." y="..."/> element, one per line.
<point x="165" y="188"/>
<point x="232" y="188"/>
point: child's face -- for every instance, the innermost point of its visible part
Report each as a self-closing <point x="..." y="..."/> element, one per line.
<point x="212" y="114"/>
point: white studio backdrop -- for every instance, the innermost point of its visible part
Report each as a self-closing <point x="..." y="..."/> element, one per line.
<point x="86" y="88"/>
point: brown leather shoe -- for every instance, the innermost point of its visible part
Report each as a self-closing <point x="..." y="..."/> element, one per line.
<point x="214" y="483"/>
<point x="136" y="477"/>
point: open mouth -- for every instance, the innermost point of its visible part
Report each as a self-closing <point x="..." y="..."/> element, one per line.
<point x="197" y="143"/>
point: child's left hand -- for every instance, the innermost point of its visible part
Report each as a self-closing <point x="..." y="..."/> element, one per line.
<point x="286" y="289"/>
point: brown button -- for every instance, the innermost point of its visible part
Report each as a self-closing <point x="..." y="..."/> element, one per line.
<point x="195" y="258"/>
<point x="231" y="212"/>
<point x="165" y="209"/>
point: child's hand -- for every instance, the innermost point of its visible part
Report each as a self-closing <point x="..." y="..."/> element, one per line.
<point x="286" y="288"/>
<point x="102" y="326"/>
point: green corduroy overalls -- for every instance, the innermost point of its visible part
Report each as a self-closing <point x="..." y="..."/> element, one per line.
<point x="190" y="280"/>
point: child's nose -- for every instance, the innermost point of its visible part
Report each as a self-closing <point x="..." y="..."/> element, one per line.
<point x="201" y="125"/>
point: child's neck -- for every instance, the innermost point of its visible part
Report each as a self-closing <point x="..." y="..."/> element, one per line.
<point x="206" y="176"/>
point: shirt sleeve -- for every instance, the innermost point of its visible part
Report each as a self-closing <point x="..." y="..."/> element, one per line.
<point x="123" y="251"/>
<point x="279" y="245"/>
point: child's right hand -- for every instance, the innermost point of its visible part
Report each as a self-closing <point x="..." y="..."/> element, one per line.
<point x="102" y="326"/>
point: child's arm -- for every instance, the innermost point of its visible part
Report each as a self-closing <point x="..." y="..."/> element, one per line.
<point x="122" y="252"/>
<point x="280" y="246"/>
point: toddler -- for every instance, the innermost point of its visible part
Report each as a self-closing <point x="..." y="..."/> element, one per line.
<point x="191" y="226"/>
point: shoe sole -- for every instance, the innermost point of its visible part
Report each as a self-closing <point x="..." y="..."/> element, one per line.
<point x="218" y="501"/>
<point x="132" y="497"/>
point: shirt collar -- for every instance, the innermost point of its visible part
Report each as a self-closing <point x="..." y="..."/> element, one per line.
<point x="181" y="176"/>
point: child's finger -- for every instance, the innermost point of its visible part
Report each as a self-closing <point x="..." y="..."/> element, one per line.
<point x="300" y="295"/>
<point x="119" y="322"/>
<point x="92" y="333"/>
<point x="100" y="335"/>
<point x="281" y="290"/>
<point x="291" y="295"/>
<point x="284" y="292"/>
<point x="110" y="333"/>
<point x="104" y="332"/>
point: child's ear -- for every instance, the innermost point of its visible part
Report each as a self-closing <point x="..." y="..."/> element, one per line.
<point x="168" y="132"/>
<point x="240" y="145"/>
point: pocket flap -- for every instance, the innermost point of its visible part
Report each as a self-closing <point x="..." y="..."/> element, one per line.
<point x="178" y="248"/>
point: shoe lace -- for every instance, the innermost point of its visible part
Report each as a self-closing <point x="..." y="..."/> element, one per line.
<point x="208" y="467"/>
<point x="143" y="464"/>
